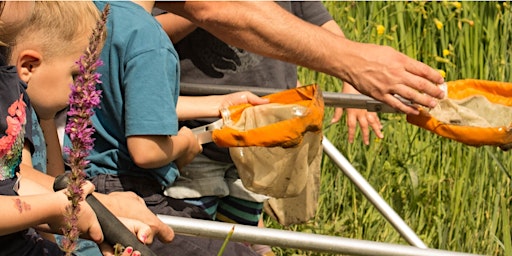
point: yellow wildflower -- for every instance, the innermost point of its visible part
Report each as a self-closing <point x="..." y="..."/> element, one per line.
<point x="457" y="5"/>
<point x="443" y="74"/>
<point x="380" y="30"/>
<point x="446" y="52"/>
<point x="438" y="23"/>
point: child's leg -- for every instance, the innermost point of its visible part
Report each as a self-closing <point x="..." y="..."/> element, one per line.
<point x="236" y="210"/>
<point x="208" y="204"/>
<point x="241" y="206"/>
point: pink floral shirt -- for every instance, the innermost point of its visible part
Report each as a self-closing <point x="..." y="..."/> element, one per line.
<point x="13" y="119"/>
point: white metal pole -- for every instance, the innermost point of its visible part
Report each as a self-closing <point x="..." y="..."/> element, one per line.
<point x="297" y="240"/>
<point x="371" y="194"/>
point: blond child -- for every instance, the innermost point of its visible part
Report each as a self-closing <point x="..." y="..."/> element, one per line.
<point x="137" y="145"/>
<point x="41" y="63"/>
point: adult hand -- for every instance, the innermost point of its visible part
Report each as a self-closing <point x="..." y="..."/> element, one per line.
<point x="382" y="72"/>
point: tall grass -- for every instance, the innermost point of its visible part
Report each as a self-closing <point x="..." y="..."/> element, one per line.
<point x="455" y="197"/>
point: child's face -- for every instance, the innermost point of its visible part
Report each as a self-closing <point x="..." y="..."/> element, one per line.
<point x="49" y="84"/>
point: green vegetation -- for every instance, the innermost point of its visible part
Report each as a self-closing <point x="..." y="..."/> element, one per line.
<point x="455" y="197"/>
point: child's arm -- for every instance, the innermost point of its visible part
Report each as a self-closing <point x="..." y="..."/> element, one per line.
<point x="45" y="210"/>
<point x="156" y="151"/>
<point x="55" y="162"/>
<point x="153" y="151"/>
<point x="119" y="203"/>
<point x="192" y="107"/>
<point x="27" y="171"/>
<point x="22" y="212"/>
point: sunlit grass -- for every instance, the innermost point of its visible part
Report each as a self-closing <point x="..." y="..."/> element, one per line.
<point x="454" y="197"/>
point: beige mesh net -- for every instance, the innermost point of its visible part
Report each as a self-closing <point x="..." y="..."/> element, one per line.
<point x="475" y="112"/>
<point x="275" y="145"/>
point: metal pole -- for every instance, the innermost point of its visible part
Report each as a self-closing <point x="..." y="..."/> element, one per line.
<point x="298" y="240"/>
<point x="332" y="99"/>
<point x="371" y="194"/>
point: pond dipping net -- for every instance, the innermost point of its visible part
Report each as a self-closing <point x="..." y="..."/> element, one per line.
<point x="274" y="146"/>
<point x="475" y="112"/>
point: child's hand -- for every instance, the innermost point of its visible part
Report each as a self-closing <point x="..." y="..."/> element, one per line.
<point x="365" y="119"/>
<point x="118" y="250"/>
<point x="141" y="230"/>
<point x="129" y="205"/>
<point x="88" y="224"/>
<point x="128" y="251"/>
<point x="238" y="98"/>
<point x="362" y="117"/>
<point x="192" y="147"/>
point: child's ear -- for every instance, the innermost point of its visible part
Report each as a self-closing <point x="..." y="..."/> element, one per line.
<point x="27" y="63"/>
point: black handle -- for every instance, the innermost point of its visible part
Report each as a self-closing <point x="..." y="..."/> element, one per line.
<point x="114" y="231"/>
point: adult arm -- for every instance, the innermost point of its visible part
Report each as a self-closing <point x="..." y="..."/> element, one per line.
<point x="377" y="71"/>
<point x="354" y="116"/>
<point x="175" y="26"/>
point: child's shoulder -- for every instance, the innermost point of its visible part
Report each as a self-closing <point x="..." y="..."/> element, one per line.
<point x="131" y="27"/>
<point x="127" y="17"/>
<point x="124" y="10"/>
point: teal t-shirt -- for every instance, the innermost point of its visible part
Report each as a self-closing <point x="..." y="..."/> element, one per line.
<point x="140" y="88"/>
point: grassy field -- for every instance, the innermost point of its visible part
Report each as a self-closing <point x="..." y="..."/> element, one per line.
<point x="455" y="197"/>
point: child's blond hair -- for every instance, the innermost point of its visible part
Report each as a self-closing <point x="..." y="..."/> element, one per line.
<point x="58" y="27"/>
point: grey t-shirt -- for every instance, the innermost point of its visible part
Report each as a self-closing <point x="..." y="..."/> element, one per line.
<point x="204" y="59"/>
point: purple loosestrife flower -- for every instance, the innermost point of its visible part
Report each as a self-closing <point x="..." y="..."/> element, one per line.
<point x="83" y="99"/>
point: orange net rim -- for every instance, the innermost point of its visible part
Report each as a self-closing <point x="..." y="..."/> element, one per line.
<point x="496" y="92"/>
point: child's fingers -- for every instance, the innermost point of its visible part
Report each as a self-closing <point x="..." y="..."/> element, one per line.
<point x="88" y="187"/>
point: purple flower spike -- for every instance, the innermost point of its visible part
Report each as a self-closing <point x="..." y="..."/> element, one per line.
<point x="83" y="99"/>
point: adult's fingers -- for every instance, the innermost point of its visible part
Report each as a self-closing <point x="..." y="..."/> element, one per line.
<point x="423" y="70"/>
<point x="409" y="94"/>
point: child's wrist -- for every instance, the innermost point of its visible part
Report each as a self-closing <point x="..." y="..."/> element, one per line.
<point x="57" y="209"/>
